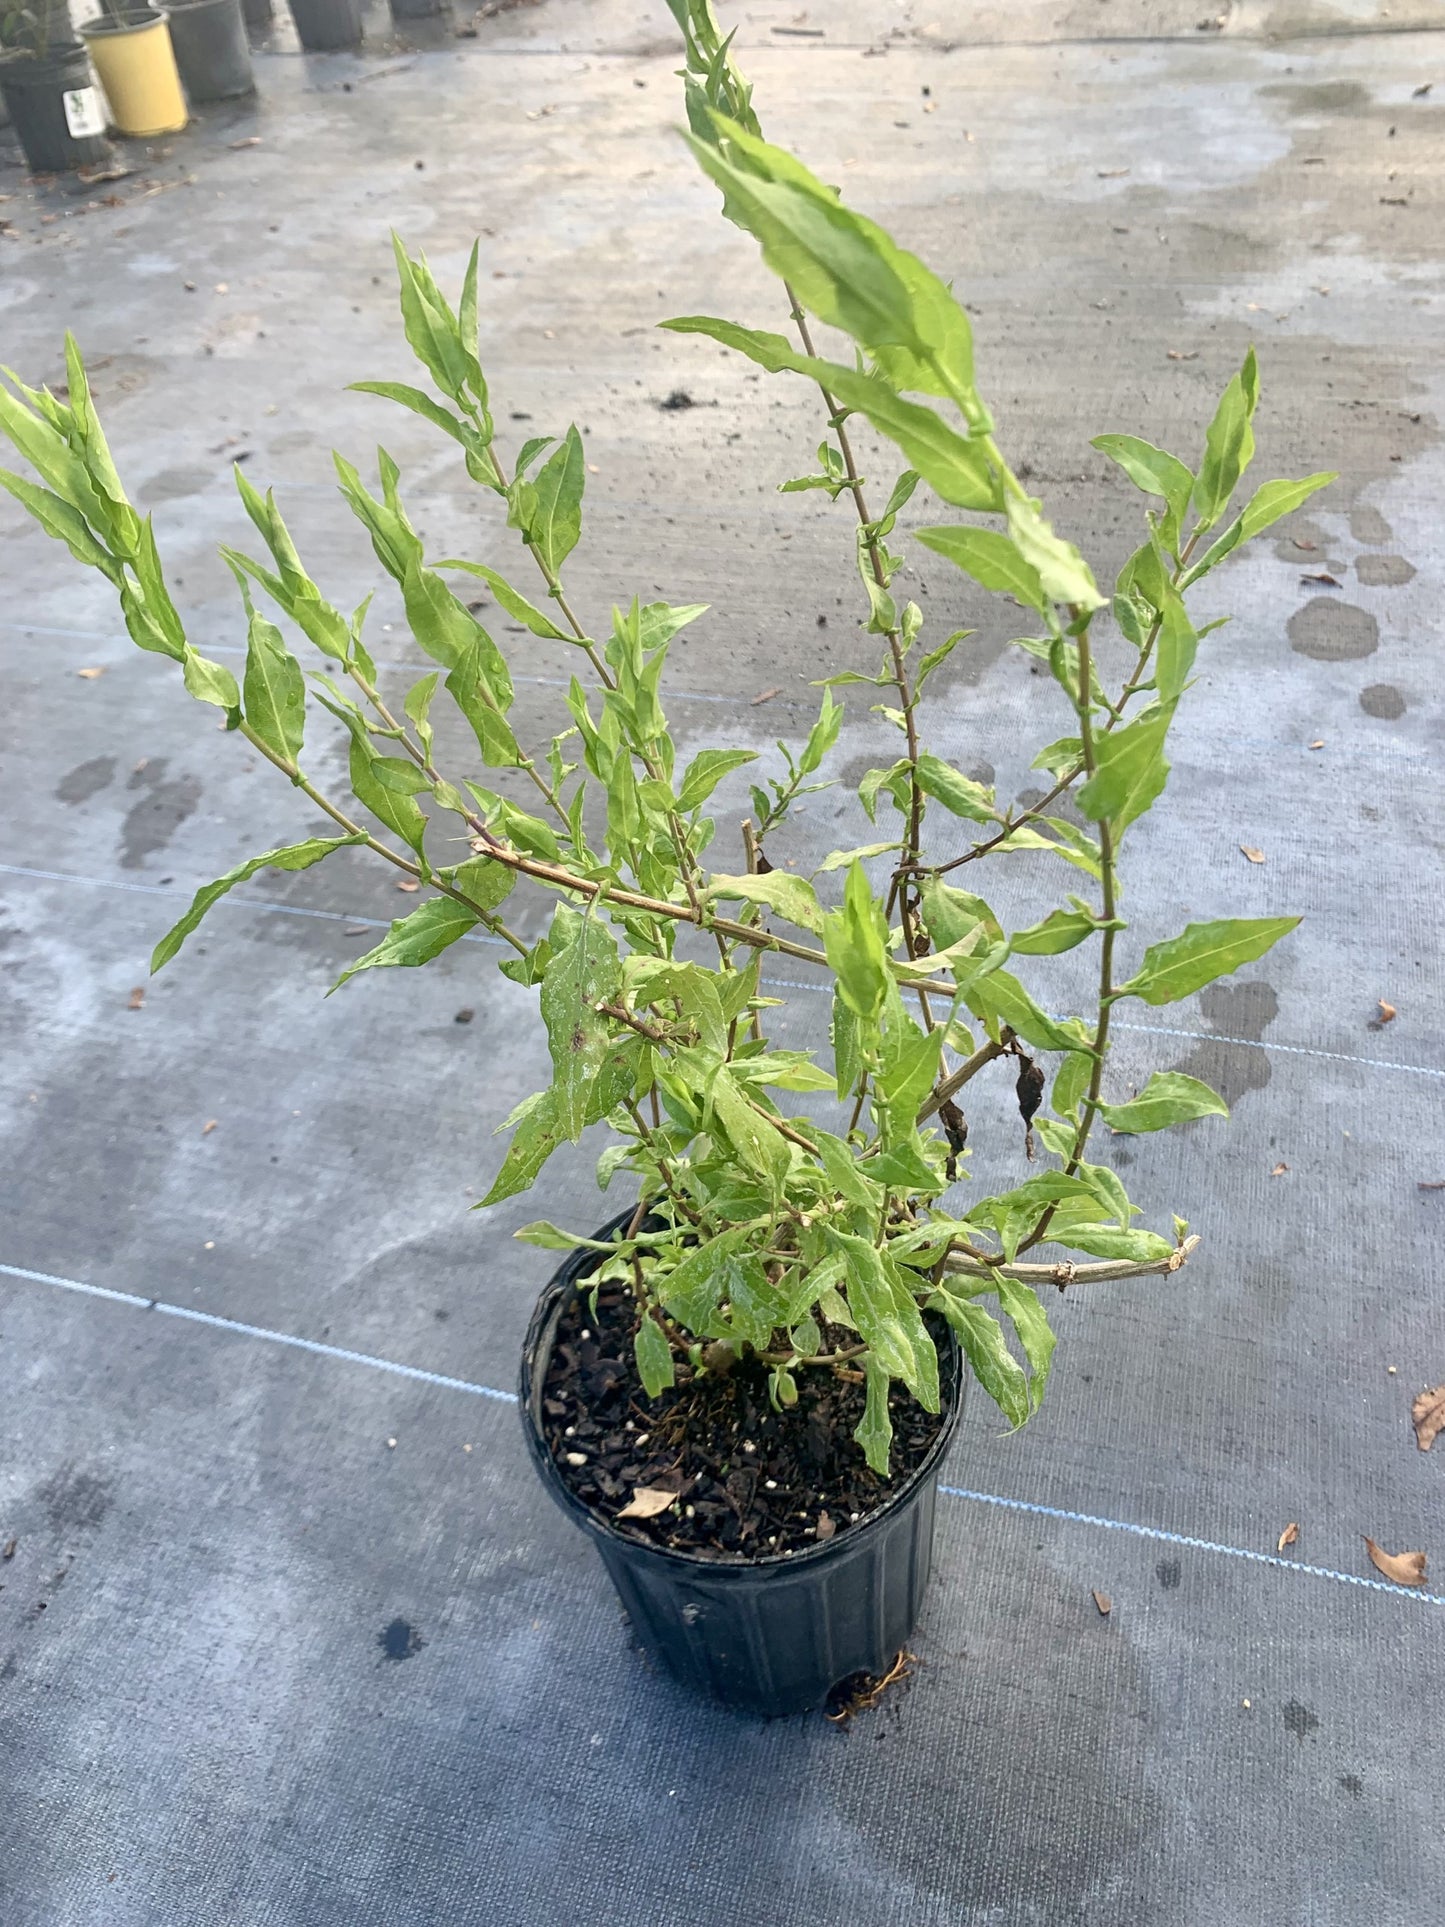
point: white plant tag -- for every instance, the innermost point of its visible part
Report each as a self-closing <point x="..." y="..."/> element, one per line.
<point x="82" y="112"/>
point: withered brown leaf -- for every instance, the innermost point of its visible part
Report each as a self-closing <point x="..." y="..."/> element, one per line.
<point x="137" y="997"/>
<point x="1402" y="1568"/>
<point x="1104" y="1603"/>
<point x="767" y="695"/>
<point x="1288" y="1536"/>
<point x="646" y="1502"/>
<point x="1255" y="856"/>
<point x="1428" y="1414"/>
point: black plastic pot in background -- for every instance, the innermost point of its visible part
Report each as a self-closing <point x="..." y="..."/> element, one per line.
<point x="769" y="1635"/>
<point x="212" y="52"/>
<point x="326" y="26"/>
<point x="49" y="98"/>
<point x="418" y="9"/>
<point x="259" y="14"/>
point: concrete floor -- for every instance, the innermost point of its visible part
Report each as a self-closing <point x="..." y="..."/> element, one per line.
<point x="257" y="1665"/>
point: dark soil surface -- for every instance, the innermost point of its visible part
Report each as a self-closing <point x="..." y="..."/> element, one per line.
<point x="751" y="1482"/>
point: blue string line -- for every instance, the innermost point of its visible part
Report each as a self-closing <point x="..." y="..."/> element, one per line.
<point x="1195" y="1545"/>
<point x="138" y="1303"/>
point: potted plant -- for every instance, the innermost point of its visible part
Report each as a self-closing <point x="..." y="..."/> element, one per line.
<point x="46" y="82"/>
<point x="742" y="1385"/>
<point x="211" y="48"/>
<point x="327" y="26"/>
<point x="131" y="48"/>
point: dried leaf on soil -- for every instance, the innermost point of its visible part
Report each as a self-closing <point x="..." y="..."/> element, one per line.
<point x="209" y="1126"/>
<point x="137" y="997"/>
<point x="1279" y="1170"/>
<point x="646" y="1502"/>
<point x="1325" y="580"/>
<point x="89" y="675"/>
<point x="1428" y="1413"/>
<point x="1255" y="856"/>
<point x="1388" y="1014"/>
<point x="1104" y="1603"/>
<point x="826" y="1526"/>
<point x="1288" y="1536"/>
<point x="1431" y="1184"/>
<point x="1176" y="355"/>
<point x="1318" y="743"/>
<point x="767" y="695"/>
<point x="408" y="884"/>
<point x="1403" y="1568"/>
<point x="251" y="140"/>
<point x="8" y="1552"/>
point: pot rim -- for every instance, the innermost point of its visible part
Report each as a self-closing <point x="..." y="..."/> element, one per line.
<point x="116" y="26"/>
<point x="533" y="1372"/>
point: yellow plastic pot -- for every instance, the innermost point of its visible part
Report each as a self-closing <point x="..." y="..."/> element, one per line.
<point x="132" y="55"/>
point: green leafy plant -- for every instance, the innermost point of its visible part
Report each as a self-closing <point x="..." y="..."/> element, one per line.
<point x="29" y="32"/>
<point x="813" y="1238"/>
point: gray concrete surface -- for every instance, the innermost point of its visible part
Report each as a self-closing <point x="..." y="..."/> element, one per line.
<point x="259" y="1666"/>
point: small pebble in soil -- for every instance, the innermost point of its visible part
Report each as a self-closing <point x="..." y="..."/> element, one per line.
<point x="576" y="1458"/>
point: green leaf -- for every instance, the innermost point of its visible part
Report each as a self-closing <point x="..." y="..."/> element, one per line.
<point x="842" y="859"/>
<point x="1025" y="1312"/>
<point x="956" y="469"/>
<point x="1105" y="1241"/>
<point x="585" y="970"/>
<point x="556" y="520"/>
<point x="482" y="697"/>
<point x="422" y="404"/>
<point x="416" y="939"/>
<point x="693" y="1290"/>
<point x="1268" y="504"/>
<point x="1168" y="1098"/>
<point x="856" y="941"/>
<point x="398" y="812"/>
<point x="992" y="558"/>
<point x="1060" y="568"/>
<point x="761" y="1147"/>
<point x="430" y="329"/>
<point x="845" y="1174"/>
<point x="538" y="1133"/>
<point x="874" y="1431"/>
<point x="1155" y="472"/>
<point x="888" y="1318"/>
<point x="1071" y="1083"/>
<point x="1002" y="999"/>
<point x="1200" y="954"/>
<point x="957" y="792"/>
<point x="63" y="521"/>
<point x="1228" y="445"/>
<point x="1060" y="930"/>
<point x="791" y="896"/>
<point x="822" y="736"/>
<point x="706" y="771"/>
<point x="950" y="914"/>
<point x="1178" y="642"/>
<point x="1130" y="770"/>
<point x="513" y="601"/>
<point x="211" y="682"/>
<point x="989" y="1358"/>
<point x="275" y="690"/>
<point x="654" y="1356"/>
<point x="295" y="856"/>
<point x="482" y="881"/>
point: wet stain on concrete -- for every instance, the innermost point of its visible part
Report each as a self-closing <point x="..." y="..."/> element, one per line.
<point x="175" y="484"/>
<point x="86" y="779"/>
<point x="1382" y="699"/>
<point x="1352" y="1784"/>
<point x="1299" y="1720"/>
<point x="1384" y="571"/>
<point x="1333" y="631"/>
<point x="74" y="1498"/>
<point x="1322" y="97"/>
<point x="153" y="820"/>
<point x="1369" y="526"/>
<point x="399" y="1640"/>
<point x="1169" y="1572"/>
<point x="1231" y="1067"/>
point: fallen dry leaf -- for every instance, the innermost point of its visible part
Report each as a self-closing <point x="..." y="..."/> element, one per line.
<point x="1419" y="93"/>
<point x="767" y="695"/>
<point x="1388" y="1014"/>
<point x="137" y="997"/>
<point x="1176" y="354"/>
<point x="1318" y="743"/>
<point x="408" y="884"/>
<point x="251" y="140"/>
<point x="1431" y="1184"/>
<point x="646" y="1502"/>
<point x="8" y="1551"/>
<point x="1288" y="1536"/>
<point x="89" y="675"/>
<point x="1403" y="1568"/>
<point x="1428" y="1413"/>
<point x="209" y="1126"/>
<point x="1255" y="856"/>
<point x="825" y="1527"/>
<point x="1279" y="1170"/>
<point x="1104" y="1603"/>
<point x="1329" y="581"/>
<point x="1111" y="173"/>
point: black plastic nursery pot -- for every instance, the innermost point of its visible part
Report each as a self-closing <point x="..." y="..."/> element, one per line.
<point x="259" y="15"/>
<point x="418" y="9"/>
<point x="56" y="109"/>
<point x="327" y="26"/>
<point x="212" y="52"/>
<point x="767" y="1635"/>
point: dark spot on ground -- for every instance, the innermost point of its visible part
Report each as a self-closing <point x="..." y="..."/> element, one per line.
<point x="154" y="818"/>
<point x="1170" y="1573"/>
<point x="1333" y="631"/>
<point x="676" y="401"/>
<point x="1307" y="98"/>
<point x="81" y="783"/>
<point x="1299" y="1720"/>
<point x="1383" y="571"/>
<point x="1352" y="1783"/>
<point x="8" y="1670"/>
<point x="74" y="1498"/>
<point x="1382" y="699"/>
<point x="1368" y="525"/>
<point x="1231" y="1067"/>
<point x="174" y="484"/>
<point x="399" y="1640"/>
